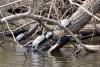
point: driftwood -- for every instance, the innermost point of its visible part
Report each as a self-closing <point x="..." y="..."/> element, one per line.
<point x="89" y="29"/>
<point x="38" y="18"/>
<point x="78" y="20"/>
<point x="94" y="48"/>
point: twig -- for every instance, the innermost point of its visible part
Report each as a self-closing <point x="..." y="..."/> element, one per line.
<point x="18" y="28"/>
<point x="22" y="26"/>
<point x="40" y="6"/>
<point x="56" y="10"/>
<point x="65" y="13"/>
<point x="48" y="14"/>
<point x="10" y="3"/>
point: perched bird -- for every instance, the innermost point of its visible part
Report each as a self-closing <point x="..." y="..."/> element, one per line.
<point x="32" y="29"/>
<point x="38" y="40"/>
<point x="65" y="22"/>
<point x="20" y="36"/>
<point x="48" y="34"/>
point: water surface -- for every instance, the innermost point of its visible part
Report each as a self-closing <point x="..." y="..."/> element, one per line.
<point x="13" y="56"/>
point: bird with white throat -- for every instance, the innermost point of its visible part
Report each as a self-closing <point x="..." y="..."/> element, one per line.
<point x="65" y="22"/>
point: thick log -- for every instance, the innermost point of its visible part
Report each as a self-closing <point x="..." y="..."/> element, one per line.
<point x="89" y="29"/>
<point x="94" y="48"/>
<point x="80" y="18"/>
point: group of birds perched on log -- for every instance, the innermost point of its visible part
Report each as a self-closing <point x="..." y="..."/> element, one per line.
<point x="45" y="35"/>
<point x="40" y="38"/>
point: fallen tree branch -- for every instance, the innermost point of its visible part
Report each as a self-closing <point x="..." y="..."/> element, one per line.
<point x="93" y="48"/>
<point x="38" y="18"/>
<point x="10" y="3"/>
<point x="89" y="28"/>
<point x="91" y="14"/>
<point x="80" y="18"/>
<point x="15" y="17"/>
<point x="15" y="30"/>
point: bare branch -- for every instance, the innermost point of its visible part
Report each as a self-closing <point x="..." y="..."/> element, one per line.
<point x="10" y="3"/>
<point x="15" y="17"/>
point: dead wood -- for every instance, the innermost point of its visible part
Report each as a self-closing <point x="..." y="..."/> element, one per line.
<point x="89" y="29"/>
<point x="78" y="20"/>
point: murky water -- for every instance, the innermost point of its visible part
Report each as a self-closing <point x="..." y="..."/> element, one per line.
<point x="10" y="56"/>
<point x="13" y="56"/>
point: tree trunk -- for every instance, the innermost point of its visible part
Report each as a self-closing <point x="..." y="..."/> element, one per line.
<point x="80" y="18"/>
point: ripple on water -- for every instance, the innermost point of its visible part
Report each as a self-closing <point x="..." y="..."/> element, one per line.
<point x="10" y="57"/>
